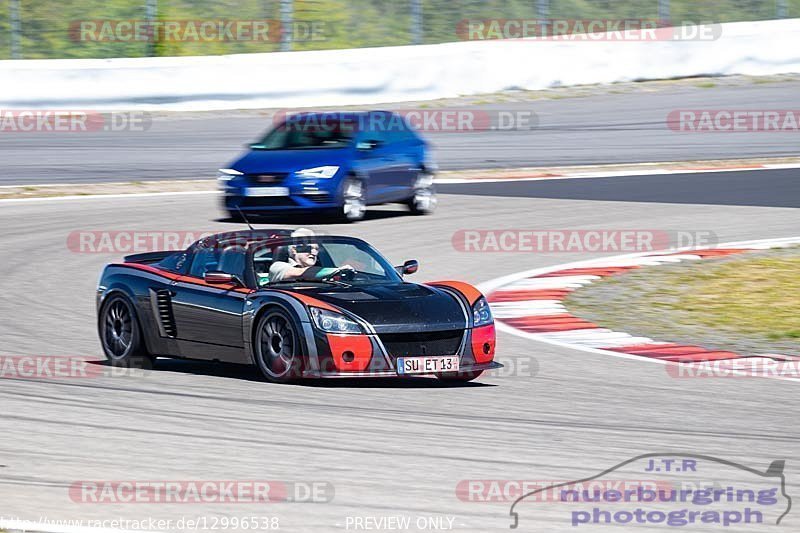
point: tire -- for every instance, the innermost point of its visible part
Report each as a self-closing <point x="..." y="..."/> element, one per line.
<point x="459" y="377"/>
<point x="424" y="200"/>
<point x="277" y="347"/>
<point x="354" y="201"/>
<point x="121" y="334"/>
<point x="235" y="216"/>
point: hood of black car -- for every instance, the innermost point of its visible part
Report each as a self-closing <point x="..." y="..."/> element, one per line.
<point x="397" y="307"/>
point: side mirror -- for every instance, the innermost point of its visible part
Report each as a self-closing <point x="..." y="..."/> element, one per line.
<point x="218" y="277"/>
<point x="409" y="267"/>
<point x="366" y="146"/>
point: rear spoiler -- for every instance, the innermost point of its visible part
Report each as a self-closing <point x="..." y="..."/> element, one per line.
<point x="148" y="257"/>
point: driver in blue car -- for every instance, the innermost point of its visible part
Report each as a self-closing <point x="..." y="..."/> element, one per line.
<point x="302" y="262"/>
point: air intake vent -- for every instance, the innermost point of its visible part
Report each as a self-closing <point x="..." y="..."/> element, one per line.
<point x="161" y="301"/>
<point x="275" y="177"/>
<point x="431" y="343"/>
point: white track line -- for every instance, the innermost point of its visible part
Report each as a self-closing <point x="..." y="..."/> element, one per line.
<point x="441" y="181"/>
<point x="100" y="196"/>
<point x="587" y="340"/>
<point x="616" y="174"/>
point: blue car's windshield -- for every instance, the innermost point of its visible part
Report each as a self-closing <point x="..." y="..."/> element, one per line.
<point x="308" y="135"/>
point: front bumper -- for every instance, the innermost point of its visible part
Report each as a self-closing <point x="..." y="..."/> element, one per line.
<point x="251" y="204"/>
<point x="493" y="365"/>
<point x="291" y="194"/>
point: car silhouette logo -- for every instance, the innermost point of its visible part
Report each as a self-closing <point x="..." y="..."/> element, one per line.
<point x="662" y="467"/>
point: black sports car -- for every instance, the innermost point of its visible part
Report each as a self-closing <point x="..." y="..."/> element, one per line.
<point x="350" y="315"/>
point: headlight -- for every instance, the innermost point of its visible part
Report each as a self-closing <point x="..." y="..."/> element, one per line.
<point x="331" y="322"/>
<point x="481" y="314"/>
<point x="318" y="172"/>
<point x="225" y="175"/>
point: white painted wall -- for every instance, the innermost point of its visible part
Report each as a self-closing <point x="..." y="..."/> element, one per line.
<point x="390" y="74"/>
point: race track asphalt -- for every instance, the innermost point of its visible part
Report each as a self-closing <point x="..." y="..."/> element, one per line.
<point x="613" y="127"/>
<point x="388" y="448"/>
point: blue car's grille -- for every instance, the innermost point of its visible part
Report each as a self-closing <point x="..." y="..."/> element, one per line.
<point x="268" y="177"/>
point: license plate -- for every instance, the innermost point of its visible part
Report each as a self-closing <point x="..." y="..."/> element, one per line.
<point x="266" y="191"/>
<point x="427" y="365"/>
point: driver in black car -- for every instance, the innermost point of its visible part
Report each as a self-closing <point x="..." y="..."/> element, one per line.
<point x="302" y="261"/>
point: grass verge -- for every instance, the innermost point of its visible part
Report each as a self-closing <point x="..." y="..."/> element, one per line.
<point x="746" y="303"/>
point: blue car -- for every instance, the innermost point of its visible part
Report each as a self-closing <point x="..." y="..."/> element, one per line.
<point x="332" y="162"/>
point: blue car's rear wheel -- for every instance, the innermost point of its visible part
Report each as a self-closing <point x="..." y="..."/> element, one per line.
<point x="277" y="347"/>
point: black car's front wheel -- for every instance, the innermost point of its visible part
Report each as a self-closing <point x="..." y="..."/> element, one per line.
<point x="120" y="334"/>
<point x="277" y="347"/>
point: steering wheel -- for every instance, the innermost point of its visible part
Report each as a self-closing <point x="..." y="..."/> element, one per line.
<point x="342" y="274"/>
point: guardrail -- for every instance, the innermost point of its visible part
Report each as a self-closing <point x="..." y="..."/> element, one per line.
<point x="395" y="74"/>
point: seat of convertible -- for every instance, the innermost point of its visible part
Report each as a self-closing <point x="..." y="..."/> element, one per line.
<point x="264" y="262"/>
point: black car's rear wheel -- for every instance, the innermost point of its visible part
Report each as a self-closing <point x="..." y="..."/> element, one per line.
<point x="120" y="334"/>
<point x="459" y="377"/>
<point x="277" y="347"/>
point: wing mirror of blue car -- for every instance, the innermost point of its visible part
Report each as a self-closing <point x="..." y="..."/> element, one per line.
<point x="409" y="267"/>
<point x="217" y="277"/>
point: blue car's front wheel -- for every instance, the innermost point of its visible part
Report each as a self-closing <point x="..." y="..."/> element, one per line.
<point x="424" y="200"/>
<point x="354" y="201"/>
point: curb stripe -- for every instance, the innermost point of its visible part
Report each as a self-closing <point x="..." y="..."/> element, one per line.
<point x="530" y="304"/>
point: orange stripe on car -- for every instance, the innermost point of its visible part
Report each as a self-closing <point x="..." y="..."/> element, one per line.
<point x="185" y="279"/>
<point x="308" y="300"/>
<point x="470" y="293"/>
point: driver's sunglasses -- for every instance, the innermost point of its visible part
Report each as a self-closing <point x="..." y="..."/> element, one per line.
<point x="306" y="248"/>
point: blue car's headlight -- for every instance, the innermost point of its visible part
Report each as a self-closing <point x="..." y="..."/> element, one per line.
<point x="331" y="322"/>
<point x="481" y="314"/>
<point x="225" y="175"/>
<point x="317" y="172"/>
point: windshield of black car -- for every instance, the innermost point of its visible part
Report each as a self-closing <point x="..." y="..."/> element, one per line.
<point x="308" y="135"/>
<point x="368" y="266"/>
